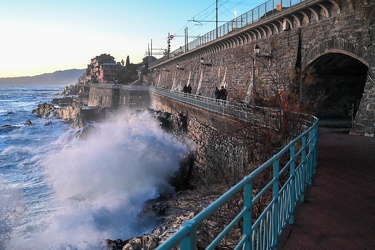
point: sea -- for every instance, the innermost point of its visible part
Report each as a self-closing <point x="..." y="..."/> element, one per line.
<point x="59" y="191"/>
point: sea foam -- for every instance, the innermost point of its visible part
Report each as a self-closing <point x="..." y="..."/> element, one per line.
<point x="100" y="184"/>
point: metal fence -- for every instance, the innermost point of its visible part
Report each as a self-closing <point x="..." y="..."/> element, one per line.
<point x="261" y="12"/>
<point x="261" y="116"/>
<point x="290" y="172"/>
<point x="118" y="86"/>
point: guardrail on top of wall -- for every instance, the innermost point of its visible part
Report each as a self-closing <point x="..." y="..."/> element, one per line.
<point x="261" y="116"/>
<point x="119" y="86"/>
<point x="291" y="169"/>
<point x="260" y="12"/>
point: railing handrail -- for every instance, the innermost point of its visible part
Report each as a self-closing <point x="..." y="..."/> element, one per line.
<point x="118" y="86"/>
<point x="261" y="232"/>
<point x="261" y="116"/>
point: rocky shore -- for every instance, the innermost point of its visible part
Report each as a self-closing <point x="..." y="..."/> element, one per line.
<point x="69" y="108"/>
<point x="172" y="210"/>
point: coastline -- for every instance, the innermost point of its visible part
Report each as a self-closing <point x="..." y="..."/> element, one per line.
<point x="170" y="210"/>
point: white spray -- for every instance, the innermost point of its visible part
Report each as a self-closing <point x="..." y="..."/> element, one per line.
<point x="101" y="184"/>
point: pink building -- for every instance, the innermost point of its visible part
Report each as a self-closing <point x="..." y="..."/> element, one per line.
<point x="108" y="72"/>
<point x="102" y="69"/>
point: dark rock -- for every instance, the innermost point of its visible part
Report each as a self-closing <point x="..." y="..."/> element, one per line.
<point x="44" y="110"/>
<point x="164" y="118"/>
<point x="115" y="244"/>
<point x="70" y="90"/>
<point x="48" y="123"/>
<point x="63" y="102"/>
<point x="145" y="242"/>
<point x="28" y="122"/>
<point x="72" y="116"/>
<point x="9" y="113"/>
<point x="182" y="179"/>
<point x="85" y="132"/>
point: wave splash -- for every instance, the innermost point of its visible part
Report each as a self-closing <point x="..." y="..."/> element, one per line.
<point x="100" y="184"/>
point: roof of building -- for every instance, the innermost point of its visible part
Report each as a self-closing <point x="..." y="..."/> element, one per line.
<point x="109" y="64"/>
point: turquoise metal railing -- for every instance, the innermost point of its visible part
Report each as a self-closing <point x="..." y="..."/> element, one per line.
<point x="290" y="172"/>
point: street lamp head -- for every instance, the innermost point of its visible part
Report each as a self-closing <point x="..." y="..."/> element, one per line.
<point x="178" y="67"/>
<point x="256" y="49"/>
<point x="209" y="64"/>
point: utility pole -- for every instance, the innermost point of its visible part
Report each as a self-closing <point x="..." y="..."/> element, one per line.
<point x="169" y="45"/>
<point x="186" y="39"/>
<point x="217" y="19"/>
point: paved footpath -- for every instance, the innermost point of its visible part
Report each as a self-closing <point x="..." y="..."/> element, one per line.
<point x="339" y="208"/>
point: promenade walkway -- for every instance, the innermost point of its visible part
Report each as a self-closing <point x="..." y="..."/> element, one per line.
<point x="339" y="208"/>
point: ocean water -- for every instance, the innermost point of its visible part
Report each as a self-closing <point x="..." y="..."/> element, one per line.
<point x="61" y="192"/>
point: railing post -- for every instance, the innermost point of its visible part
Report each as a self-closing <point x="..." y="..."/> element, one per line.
<point x="311" y="158"/>
<point x="248" y="198"/>
<point x="265" y="10"/>
<point x="189" y="242"/>
<point x="316" y="132"/>
<point x="292" y="183"/>
<point x="275" y="195"/>
<point x="303" y="165"/>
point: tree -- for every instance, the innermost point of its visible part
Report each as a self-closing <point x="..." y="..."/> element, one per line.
<point x="128" y="74"/>
<point x="127" y="62"/>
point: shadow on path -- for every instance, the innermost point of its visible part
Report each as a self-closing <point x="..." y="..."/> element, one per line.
<point x="339" y="208"/>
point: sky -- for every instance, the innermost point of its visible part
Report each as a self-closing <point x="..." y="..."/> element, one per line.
<point x="44" y="36"/>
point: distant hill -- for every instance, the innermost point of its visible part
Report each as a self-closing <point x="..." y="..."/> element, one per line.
<point x="68" y="77"/>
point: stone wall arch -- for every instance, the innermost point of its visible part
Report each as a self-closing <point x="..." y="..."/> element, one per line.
<point x="232" y="42"/>
<point x="245" y="37"/>
<point x="219" y="46"/>
<point x="236" y="41"/>
<point x="269" y="33"/>
<point x="248" y="37"/>
<point x="324" y="11"/>
<point x="298" y="18"/>
<point x="337" y="45"/>
<point x="253" y="35"/>
<point x="275" y="28"/>
<point x="305" y="18"/>
<point x="224" y="45"/>
<point x="289" y="20"/>
<point x="314" y="16"/>
<point x="335" y="7"/>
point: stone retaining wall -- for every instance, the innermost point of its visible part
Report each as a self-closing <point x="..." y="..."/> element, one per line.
<point x="220" y="149"/>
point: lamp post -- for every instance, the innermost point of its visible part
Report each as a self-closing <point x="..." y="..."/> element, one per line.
<point x="256" y="54"/>
<point x="204" y="63"/>
<point x="179" y="67"/>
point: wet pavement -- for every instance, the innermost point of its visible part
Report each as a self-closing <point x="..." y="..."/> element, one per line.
<point x="339" y="207"/>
